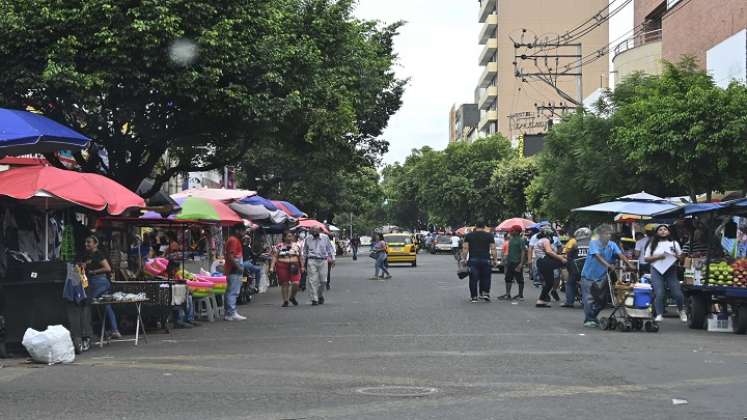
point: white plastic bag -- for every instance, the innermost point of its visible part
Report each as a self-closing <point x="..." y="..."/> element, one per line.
<point x="51" y="346"/>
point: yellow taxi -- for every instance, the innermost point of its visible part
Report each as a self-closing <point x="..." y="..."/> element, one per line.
<point x="401" y="249"/>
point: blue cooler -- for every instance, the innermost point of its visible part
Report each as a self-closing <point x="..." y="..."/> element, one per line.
<point x="642" y="294"/>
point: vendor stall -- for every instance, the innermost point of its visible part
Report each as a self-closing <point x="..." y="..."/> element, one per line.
<point x="715" y="281"/>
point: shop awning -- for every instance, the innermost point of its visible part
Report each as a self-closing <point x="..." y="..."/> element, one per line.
<point x="24" y="132"/>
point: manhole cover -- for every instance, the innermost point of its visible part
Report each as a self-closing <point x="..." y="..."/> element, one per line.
<point x="397" y="391"/>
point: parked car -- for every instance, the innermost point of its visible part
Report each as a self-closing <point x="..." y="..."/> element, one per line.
<point x="499" y="244"/>
<point x="401" y="249"/>
<point x="441" y="244"/>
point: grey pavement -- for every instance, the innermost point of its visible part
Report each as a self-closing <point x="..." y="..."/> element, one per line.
<point x="412" y="347"/>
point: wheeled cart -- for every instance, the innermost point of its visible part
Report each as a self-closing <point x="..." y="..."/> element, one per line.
<point x="703" y="301"/>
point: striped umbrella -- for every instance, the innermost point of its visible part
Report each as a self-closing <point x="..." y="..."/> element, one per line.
<point x="199" y="210"/>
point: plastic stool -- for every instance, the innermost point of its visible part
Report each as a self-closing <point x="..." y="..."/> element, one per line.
<point x="217" y="309"/>
<point x="204" y="308"/>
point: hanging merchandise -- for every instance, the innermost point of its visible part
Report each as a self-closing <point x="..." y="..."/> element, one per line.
<point x="67" y="249"/>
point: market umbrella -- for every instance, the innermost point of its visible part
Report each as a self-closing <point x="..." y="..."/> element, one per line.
<point x="289" y="209"/>
<point x="637" y="208"/>
<point x="160" y="198"/>
<point x="333" y="228"/>
<point x="24" y="132"/>
<point x="199" y="210"/>
<point x="506" y="225"/>
<point x="310" y="223"/>
<point x="258" y="209"/>
<point x="220" y="194"/>
<point x="643" y="195"/>
<point x="463" y="230"/>
<point x="48" y="188"/>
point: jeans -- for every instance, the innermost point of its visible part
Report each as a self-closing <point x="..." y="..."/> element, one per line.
<point x="99" y="285"/>
<point x="479" y="275"/>
<point x="186" y="312"/>
<point x="355" y="253"/>
<point x="591" y="306"/>
<point x="661" y="282"/>
<point x="571" y="284"/>
<point x="254" y="270"/>
<point x="511" y="275"/>
<point x="381" y="265"/>
<point x="79" y="317"/>
<point x="232" y="293"/>
<point x="536" y="275"/>
<point x="546" y="267"/>
<point x="316" y="276"/>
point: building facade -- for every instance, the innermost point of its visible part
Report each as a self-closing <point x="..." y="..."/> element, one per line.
<point x="463" y="122"/>
<point x="714" y="32"/>
<point x="509" y="104"/>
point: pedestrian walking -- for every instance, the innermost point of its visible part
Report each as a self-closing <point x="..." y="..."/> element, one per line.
<point x="320" y="252"/>
<point x="533" y="271"/>
<point x="603" y="253"/>
<point x="572" y="252"/>
<point x="662" y="253"/>
<point x="479" y="248"/>
<point x="547" y="262"/>
<point x="516" y="257"/>
<point x="234" y="269"/>
<point x="288" y="264"/>
<point x="355" y="243"/>
<point x="331" y="263"/>
<point x="379" y="252"/>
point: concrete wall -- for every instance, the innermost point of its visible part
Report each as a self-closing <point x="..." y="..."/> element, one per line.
<point x="646" y="58"/>
<point x="544" y="17"/>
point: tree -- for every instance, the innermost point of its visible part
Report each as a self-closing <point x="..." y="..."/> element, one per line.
<point x="682" y="128"/>
<point x="511" y="179"/>
<point x="279" y="72"/>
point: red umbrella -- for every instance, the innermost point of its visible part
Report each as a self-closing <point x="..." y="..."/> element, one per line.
<point x="58" y="187"/>
<point x="310" y="223"/>
<point x="506" y="225"/>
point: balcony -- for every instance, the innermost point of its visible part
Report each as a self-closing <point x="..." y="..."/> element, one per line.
<point x="488" y="97"/>
<point x="639" y="53"/>
<point x="487" y="76"/>
<point x="486" y="8"/>
<point x="489" y="117"/>
<point x="489" y="29"/>
<point x="486" y="56"/>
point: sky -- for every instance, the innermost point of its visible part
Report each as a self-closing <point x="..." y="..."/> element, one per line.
<point x="438" y="52"/>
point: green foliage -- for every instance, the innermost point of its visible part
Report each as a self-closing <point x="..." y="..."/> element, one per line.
<point x="301" y="77"/>
<point x="449" y="187"/>
<point x="510" y="180"/>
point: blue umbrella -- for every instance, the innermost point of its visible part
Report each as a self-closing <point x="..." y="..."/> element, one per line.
<point x="24" y="132"/>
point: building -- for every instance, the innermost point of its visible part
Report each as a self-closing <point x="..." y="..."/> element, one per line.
<point x="509" y="104"/>
<point x="714" y="32"/>
<point x="463" y="123"/>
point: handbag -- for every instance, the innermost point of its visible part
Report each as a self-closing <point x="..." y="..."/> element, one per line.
<point x="463" y="271"/>
<point x="374" y="254"/>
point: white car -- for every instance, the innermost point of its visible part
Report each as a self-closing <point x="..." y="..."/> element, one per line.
<point x="366" y="241"/>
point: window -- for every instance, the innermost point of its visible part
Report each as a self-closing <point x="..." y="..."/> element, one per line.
<point x="671" y="3"/>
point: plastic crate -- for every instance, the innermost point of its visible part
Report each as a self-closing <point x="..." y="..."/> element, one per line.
<point x="720" y="323"/>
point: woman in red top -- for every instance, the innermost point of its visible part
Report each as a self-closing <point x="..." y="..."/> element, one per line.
<point x="288" y="264"/>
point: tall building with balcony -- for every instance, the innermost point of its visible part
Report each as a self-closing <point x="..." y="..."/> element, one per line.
<point x="507" y="104"/>
<point x="714" y="32"/>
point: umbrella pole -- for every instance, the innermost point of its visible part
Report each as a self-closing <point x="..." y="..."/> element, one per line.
<point x="46" y="235"/>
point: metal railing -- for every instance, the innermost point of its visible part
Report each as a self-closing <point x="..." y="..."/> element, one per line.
<point x="637" y="41"/>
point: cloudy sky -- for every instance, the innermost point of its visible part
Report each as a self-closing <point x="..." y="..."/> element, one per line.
<point x="438" y="51"/>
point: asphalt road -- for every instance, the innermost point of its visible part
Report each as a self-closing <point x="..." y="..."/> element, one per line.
<point x="412" y="347"/>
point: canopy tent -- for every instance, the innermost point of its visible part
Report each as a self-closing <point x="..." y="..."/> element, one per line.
<point x="24" y="132"/>
<point x="507" y="224"/>
<point x="196" y="209"/>
<point x="641" y="196"/>
<point x="47" y="188"/>
<point x="738" y="206"/>
<point x="220" y="194"/>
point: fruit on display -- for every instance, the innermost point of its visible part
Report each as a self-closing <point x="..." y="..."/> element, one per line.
<point x="725" y="275"/>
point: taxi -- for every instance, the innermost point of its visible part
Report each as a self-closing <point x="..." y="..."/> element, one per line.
<point x="401" y="249"/>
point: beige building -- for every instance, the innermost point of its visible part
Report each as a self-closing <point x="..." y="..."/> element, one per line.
<point x="507" y="104"/>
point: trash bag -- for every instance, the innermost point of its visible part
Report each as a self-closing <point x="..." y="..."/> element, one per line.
<point x="51" y="346"/>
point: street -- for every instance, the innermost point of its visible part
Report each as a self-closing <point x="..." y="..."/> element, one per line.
<point x="412" y="347"/>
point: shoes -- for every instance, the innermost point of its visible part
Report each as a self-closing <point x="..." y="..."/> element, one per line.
<point x="541" y="304"/>
<point x="85" y="345"/>
<point x="518" y="297"/>
<point x="285" y="304"/>
<point x="658" y="318"/>
<point x="321" y="300"/>
<point x="181" y="325"/>
<point x="192" y="323"/>
<point x="314" y="303"/>
<point x="387" y="277"/>
<point x="683" y="316"/>
<point x="504" y="297"/>
<point x="555" y="296"/>
<point x="485" y="297"/>
<point x="375" y="278"/>
<point x="239" y="317"/>
<point x="473" y="300"/>
<point x="591" y="324"/>
<point x="567" y="305"/>
<point x="328" y="286"/>
<point x="293" y="301"/>
<point x="116" y="335"/>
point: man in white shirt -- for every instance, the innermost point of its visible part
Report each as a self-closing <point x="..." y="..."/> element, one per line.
<point x="319" y="251"/>
<point x="454" y="244"/>
<point x="536" y="279"/>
